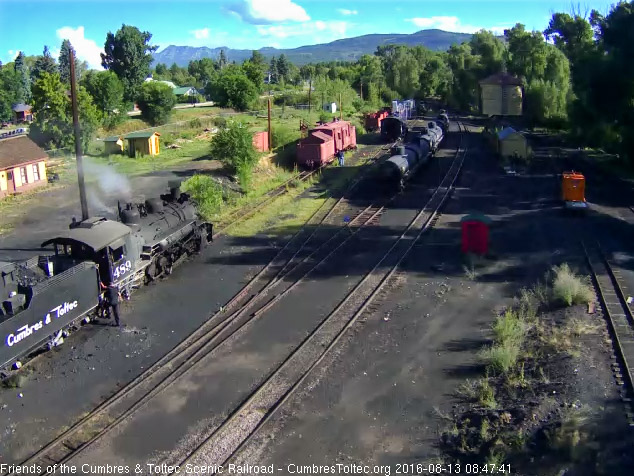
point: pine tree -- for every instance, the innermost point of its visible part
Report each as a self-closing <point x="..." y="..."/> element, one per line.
<point x="222" y="60"/>
<point x="273" y="70"/>
<point x="64" y="61"/>
<point x="283" y="68"/>
<point x="24" y="91"/>
<point x="44" y="64"/>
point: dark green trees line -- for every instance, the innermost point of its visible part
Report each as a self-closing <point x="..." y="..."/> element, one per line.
<point x="577" y="74"/>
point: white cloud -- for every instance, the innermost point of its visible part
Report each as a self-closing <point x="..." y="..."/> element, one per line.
<point x="345" y="11"/>
<point x="452" y="24"/>
<point x="85" y="48"/>
<point x="319" y="31"/>
<point x="201" y="34"/>
<point x="263" y="12"/>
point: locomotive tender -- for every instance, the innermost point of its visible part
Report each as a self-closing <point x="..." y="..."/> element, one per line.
<point x="42" y="298"/>
<point x="407" y="158"/>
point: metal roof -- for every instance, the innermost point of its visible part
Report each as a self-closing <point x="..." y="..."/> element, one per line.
<point x="502" y="78"/>
<point x="183" y="90"/>
<point x="112" y="139"/>
<point x="96" y="233"/>
<point x="22" y="108"/>
<point x="141" y="135"/>
<point x="317" y="136"/>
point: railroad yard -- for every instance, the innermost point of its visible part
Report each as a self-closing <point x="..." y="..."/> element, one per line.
<point x="352" y="339"/>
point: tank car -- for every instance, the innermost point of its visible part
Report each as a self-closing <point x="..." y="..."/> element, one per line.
<point x="393" y="128"/>
<point x="47" y="295"/>
<point x="443" y="120"/>
<point x="410" y="156"/>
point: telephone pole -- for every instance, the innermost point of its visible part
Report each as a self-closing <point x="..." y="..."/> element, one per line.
<point x="80" y="165"/>
<point x="340" y="107"/>
<point x="310" y="87"/>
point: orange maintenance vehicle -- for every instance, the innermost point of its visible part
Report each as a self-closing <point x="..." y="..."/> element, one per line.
<point x="573" y="186"/>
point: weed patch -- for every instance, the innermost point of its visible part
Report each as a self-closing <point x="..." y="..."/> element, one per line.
<point x="568" y="288"/>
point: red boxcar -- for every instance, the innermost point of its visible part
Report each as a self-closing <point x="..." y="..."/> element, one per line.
<point x="373" y="120"/>
<point x="261" y="141"/>
<point x="324" y="141"/>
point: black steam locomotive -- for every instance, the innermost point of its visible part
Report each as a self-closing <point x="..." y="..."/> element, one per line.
<point x="42" y="298"/>
<point x="421" y="144"/>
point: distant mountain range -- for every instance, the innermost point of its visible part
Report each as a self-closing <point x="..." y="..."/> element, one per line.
<point x="348" y="49"/>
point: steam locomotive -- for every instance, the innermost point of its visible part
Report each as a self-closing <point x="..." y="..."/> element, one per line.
<point x="42" y="298"/>
<point x="407" y="158"/>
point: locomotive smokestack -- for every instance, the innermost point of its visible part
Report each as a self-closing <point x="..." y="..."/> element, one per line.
<point x="175" y="188"/>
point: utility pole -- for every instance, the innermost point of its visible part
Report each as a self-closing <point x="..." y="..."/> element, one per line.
<point x="80" y="166"/>
<point x="310" y="87"/>
<point x="340" y="107"/>
<point x="361" y="90"/>
<point x="269" y="121"/>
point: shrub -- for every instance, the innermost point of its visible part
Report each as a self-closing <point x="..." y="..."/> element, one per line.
<point x="508" y="328"/>
<point x="219" y="122"/>
<point x="234" y="147"/>
<point x="206" y="192"/>
<point x="501" y="357"/>
<point x="195" y="123"/>
<point x="156" y="101"/>
<point x="568" y="288"/>
<point x="358" y="125"/>
<point x="283" y="135"/>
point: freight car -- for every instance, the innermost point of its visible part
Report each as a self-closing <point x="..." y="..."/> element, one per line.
<point x="443" y="119"/>
<point x="393" y="128"/>
<point x="44" y="297"/>
<point x="407" y="158"/>
<point x="373" y="120"/>
<point x="323" y="143"/>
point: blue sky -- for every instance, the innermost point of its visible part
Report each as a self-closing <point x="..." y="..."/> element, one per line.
<point x="27" y="25"/>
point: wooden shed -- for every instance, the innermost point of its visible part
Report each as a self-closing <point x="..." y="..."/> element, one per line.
<point x="22" y="165"/>
<point x="143" y="143"/>
<point x="512" y="143"/>
<point x="501" y="95"/>
<point x="113" y="145"/>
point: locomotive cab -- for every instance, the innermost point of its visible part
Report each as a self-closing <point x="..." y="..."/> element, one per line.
<point x="105" y="242"/>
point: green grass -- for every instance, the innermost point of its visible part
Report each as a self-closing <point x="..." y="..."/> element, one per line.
<point x="167" y="158"/>
<point x="568" y="288"/>
<point x="285" y="209"/>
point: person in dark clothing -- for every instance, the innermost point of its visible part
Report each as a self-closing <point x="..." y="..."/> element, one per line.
<point x="112" y="297"/>
<point x="341" y="157"/>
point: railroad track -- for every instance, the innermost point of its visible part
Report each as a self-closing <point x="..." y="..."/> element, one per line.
<point x="246" y="212"/>
<point x="228" y="438"/>
<point x="246" y="305"/>
<point x="618" y="314"/>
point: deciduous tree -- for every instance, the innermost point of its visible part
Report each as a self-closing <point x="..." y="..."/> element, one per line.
<point x="128" y="54"/>
<point x="156" y="101"/>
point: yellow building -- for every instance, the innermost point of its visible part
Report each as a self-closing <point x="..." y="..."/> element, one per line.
<point x="113" y="145"/>
<point x="22" y="165"/>
<point x="143" y="143"/>
<point x="501" y="95"/>
<point x="511" y="143"/>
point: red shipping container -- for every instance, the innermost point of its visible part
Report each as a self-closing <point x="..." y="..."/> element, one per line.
<point x="261" y="141"/>
<point x="475" y="234"/>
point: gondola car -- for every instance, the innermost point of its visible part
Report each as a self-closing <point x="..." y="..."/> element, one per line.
<point x="42" y="298"/>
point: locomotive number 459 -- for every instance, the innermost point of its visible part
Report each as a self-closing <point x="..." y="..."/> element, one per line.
<point x="122" y="269"/>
